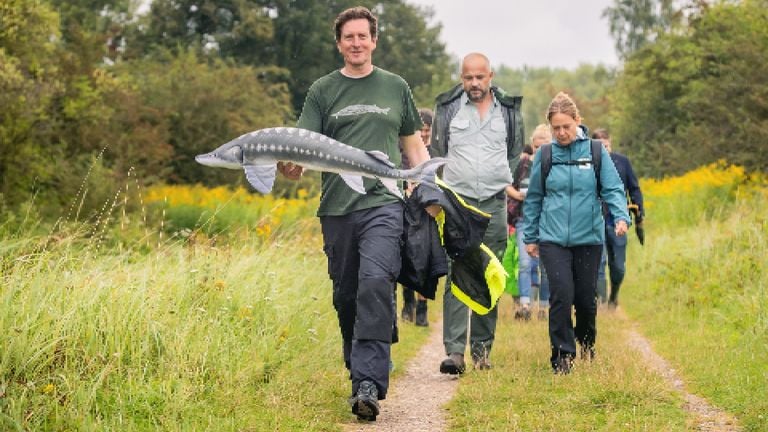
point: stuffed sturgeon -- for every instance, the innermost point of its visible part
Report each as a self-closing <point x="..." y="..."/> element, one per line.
<point x="258" y="153"/>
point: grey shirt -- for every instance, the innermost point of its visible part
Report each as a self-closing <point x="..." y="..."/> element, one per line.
<point x="477" y="151"/>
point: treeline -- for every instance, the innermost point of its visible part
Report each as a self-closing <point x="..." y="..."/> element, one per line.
<point x="94" y="95"/>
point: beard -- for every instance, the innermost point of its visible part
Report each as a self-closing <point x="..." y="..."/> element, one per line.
<point x="476" y="94"/>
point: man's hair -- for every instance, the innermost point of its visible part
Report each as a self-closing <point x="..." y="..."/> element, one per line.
<point x="426" y="116"/>
<point x="358" y="12"/>
<point x="601" y="134"/>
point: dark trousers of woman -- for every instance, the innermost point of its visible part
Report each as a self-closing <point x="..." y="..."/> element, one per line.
<point x="363" y="250"/>
<point x="572" y="273"/>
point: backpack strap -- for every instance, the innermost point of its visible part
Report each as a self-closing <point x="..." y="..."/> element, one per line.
<point x="596" y="148"/>
<point x="546" y="165"/>
<point x="597" y="159"/>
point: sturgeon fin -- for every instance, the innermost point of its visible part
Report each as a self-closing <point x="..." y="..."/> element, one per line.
<point x="381" y="156"/>
<point x="261" y="177"/>
<point x="353" y="181"/>
<point x="391" y="185"/>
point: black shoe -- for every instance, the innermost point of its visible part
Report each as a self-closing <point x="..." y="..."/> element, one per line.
<point x="453" y="365"/>
<point x="563" y="365"/>
<point x="587" y="353"/>
<point x="365" y="404"/>
<point x="421" y="313"/>
<point x="408" y="313"/>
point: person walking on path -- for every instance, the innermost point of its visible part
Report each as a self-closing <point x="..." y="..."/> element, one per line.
<point x="563" y="222"/>
<point x="615" y="251"/>
<point x="527" y="264"/>
<point x="478" y="128"/>
<point x="415" y="305"/>
<point x="369" y="108"/>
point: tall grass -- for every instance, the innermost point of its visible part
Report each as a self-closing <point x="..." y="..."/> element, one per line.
<point x="116" y="326"/>
<point x="701" y="291"/>
<point x="208" y="309"/>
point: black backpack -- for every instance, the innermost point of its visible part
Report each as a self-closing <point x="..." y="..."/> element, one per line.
<point x="546" y="163"/>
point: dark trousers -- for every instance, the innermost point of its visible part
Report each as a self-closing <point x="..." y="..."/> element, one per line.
<point x="616" y="255"/>
<point x="572" y="273"/>
<point x="363" y="250"/>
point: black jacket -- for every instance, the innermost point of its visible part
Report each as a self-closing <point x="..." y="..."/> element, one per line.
<point x="477" y="276"/>
<point x="631" y="185"/>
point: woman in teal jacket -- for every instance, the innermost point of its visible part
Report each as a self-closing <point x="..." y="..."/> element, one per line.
<point x="564" y="224"/>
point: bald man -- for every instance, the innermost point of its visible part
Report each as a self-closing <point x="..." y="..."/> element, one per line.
<point x="480" y="130"/>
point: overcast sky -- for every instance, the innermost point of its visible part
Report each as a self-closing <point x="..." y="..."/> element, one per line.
<point x="554" y="33"/>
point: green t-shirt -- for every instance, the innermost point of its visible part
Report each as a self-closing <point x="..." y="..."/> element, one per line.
<point x="369" y="113"/>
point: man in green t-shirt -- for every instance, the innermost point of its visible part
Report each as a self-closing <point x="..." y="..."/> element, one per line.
<point x="368" y="108"/>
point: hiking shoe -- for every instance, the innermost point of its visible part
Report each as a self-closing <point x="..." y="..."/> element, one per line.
<point x="453" y="365"/>
<point x="421" y="314"/>
<point x="407" y="313"/>
<point x="563" y="365"/>
<point x="523" y="314"/>
<point x="365" y="404"/>
<point x="587" y="353"/>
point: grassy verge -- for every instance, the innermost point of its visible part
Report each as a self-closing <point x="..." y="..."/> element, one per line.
<point x="191" y="336"/>
<point x="701" y="295"/>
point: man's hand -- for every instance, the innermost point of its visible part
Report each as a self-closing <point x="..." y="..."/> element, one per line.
<point x="433" y="210"/>
<point x="532" y="249"/>
<point x="621" y="228"/>
<point x="290" y="170"/>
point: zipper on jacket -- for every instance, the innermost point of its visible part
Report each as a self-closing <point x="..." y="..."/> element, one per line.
<point x="570" y="194"/>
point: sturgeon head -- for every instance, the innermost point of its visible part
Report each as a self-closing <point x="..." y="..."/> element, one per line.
<point x="229" y="155"/>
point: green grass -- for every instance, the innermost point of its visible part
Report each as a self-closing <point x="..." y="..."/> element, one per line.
<point x="615" y="392"/>
<point x="122" y="328"/>
<point x="700" y="294"/>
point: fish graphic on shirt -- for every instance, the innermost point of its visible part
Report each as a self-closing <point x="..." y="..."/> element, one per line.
<point x="360" y="109"/>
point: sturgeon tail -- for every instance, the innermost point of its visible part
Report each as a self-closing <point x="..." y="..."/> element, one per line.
<point x="425" y="172"/>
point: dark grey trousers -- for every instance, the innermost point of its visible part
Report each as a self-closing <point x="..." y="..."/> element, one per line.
<point x="363" y="250"/>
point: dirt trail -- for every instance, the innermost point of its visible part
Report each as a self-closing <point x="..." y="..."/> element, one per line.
<point x="415" y="399"/>
<point x="708" y="417"/>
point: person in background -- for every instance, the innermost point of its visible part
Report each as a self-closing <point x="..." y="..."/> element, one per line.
<point x="473" y="130"/>
<point x="528" y="266"/>
<point x="368" y="108"/>
<point x="616" y="247"/>
<point x="563" y="223"/>
<point x="414" y="310"/>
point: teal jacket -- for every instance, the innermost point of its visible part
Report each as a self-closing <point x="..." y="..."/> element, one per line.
<point x="569" y="212"/>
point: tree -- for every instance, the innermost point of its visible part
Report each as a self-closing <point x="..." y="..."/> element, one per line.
<point x="205" y="104"/>
<point x="694" y="98"/>
<point x="635" y="23"/>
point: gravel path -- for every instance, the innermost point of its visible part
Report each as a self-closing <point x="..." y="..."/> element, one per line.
<point x="415" y="399"/>
<point x="708" y="417"/>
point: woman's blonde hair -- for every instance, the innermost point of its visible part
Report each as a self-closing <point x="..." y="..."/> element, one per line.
<point x="563" y="104"/>
<point x="541" y="128"/>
